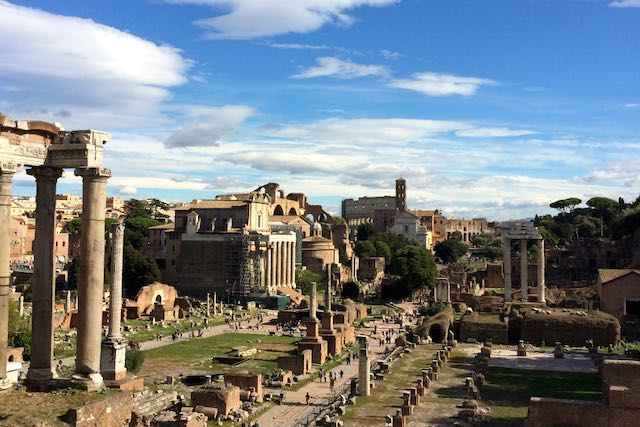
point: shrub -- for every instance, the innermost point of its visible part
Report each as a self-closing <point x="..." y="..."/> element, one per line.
<point x="432" y="309"/>
<point x="133" y="360"/>
<point x="350" y="290"/>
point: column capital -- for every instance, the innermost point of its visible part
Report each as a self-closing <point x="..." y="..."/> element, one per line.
<point x="93" y="173"/>
<point x="45" y="172"/>
<point x="9" y="168"/>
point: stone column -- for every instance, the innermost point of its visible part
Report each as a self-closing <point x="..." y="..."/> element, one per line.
<point x="67" y="302"/>
<point x="6" y="176"/>
<point x="115" y="299"/>
<point x="285" y="260"/>
<point x="506" y="255"/>
<point x="268" y="270"/>
<point x="364" y="367"/>
<point x="21" y="306"/>
<point x="208" y="305"/>
<point x="215" y="304"/>
<point x="293" y="264"/>
<point x="281" y="263"/>
<point x="91" y="281"/>
<point x="277" y="264"/>
<point x="112" y="356"/>
<point x="263" y="262"/>
<point x="541" y="272"/>
<point x="41" y="367"/>
<point x="524" y="270"/>
<point x="313" y="304"/>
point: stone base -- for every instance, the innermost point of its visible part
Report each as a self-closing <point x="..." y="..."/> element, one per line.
<point x="407" y="410"/>
<point x="126" y="384"/>
<point x="112" y="360"/>
<point x="5" y="385"/>
<point x="91" y="383"/>
<point x="334" y="342"/>
<point x="318" y="349"/>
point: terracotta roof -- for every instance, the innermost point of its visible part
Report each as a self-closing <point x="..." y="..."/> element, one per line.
<point x="424" y="212"/>
<point x="167" y="226"/>
<point x="607" y="275"/>
<point x="284" y="218"/>
<point x="215" y="204"/>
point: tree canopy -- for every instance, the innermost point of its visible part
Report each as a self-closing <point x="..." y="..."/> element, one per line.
<point x="565" y="204"/>
<point x="451" y="249"/>
<point x="415" y="266"/>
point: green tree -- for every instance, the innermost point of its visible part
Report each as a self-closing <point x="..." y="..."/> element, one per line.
<point x="365" y="249"/>
<point x="603" y="207"/>
<point x="137" y="231"/>
<point x="451" y="249"/>
<point x="382" y="249"/>
<point x="138" y="270"/>
<point x="73" y="227"/>
<point x="365" y="231"/>
<point x="565" y="205"/>
<point x="138" y="208"/>
<point x="304" y="278"/>
<point x="339" y="220"/>
<point x="415" y="266"/>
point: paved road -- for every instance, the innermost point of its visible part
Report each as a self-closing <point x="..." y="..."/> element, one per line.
<point x="295" y="408"/>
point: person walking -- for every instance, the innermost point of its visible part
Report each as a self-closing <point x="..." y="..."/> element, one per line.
<point x="307" y="397"/>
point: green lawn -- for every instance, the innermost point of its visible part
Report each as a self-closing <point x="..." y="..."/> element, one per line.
<point x="508" y="391"/>
<point x="199" y="353"/>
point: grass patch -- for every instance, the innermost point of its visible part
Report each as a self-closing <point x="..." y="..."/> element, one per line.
<point x="508" y="391"/>
<point x="199" y="353"/>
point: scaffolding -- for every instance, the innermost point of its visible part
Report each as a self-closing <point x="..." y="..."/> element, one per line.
<point x="242" y="266"/>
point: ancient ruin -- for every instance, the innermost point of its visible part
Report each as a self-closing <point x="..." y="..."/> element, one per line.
<point x="523" y="232"/>
<point x="46" y="149"/>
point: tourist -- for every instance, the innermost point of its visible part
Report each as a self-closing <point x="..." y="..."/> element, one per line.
<point x="307" y="397"/>
<point x="341" y="373"/>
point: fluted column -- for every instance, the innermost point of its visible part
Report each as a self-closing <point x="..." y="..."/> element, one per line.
<point x="281" y="263"/>
<point x="91" y="281"/>
<point x="292" y="281"/>
<point x="276" y="262"/>
<point x="41" y="365"/>
<point x="287" y="260"/>
<point x="272" y="265"/>
<point x="524" y="270"/>
<point x="268" y="269"/>
<point x="506" y="255"/>
<point x="541" y="272"/>
<point x="6" y="176"/>
<point x="115" y="299"/>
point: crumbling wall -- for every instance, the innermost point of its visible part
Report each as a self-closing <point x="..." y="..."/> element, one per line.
<point x="436" y="327"/>
<point x="548" y="412"/>
<point x="570" y="329"/>
<point x="111" y="411"/>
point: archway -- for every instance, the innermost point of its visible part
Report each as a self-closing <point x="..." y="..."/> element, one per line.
<point x="278" y="210"/>
<point x="436" y="333"/>
<point x="293" y="211"/>
<point x="158" y="299"/>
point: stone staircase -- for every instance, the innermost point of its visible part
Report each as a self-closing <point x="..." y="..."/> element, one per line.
<point x="147" y="403"/>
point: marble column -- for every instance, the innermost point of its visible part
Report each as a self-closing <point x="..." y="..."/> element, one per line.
<point x="6" y="176"/>
<point x="21" y="306"/>
<point x="524" y="270"/>
<point x="364" y="367"/>
<point x="285" y="262"/>
<point x="290" y="264"/>
<point x="115" y="299"/>
<point x="215" y="304"/>
<point x="281" y="263"/>
<point x="293" y="264"/>
<point x="268" y="270"/>
<point x="41" y="367"/>
<point x="208" y="305"/>
<point x="506" y="255"/>
<point x="113" y="351"/>
<point x="541" y="279"/>
<point x="91" y="280"/>
<point x="313" y="303"/>
<point x="276" y="263"/>
<point x="67" y="302"/>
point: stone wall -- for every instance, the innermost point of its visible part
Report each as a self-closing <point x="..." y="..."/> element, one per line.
<point x="473" y="327"/>
<point x="547" y="412"/>
<point x="111" y="411"/>
<point x="245" y="381"/>
<point x="225" y="398"/>
<point x="570" y="329"/>
<point x="625" y="373"/>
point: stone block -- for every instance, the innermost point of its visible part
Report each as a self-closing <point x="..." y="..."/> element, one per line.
<point x="111" y="411"/>
<point x="126" y="384"/>
<point x="246" y="381"/>
<point x="225" y="398"/>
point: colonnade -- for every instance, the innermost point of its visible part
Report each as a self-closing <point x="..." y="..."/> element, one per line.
<point x="94" y="185"/>
<point x="280" y="264"/>
<point x="524" y="268"/>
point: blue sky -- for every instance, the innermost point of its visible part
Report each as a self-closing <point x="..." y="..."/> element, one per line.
<point x="487" y="107"/>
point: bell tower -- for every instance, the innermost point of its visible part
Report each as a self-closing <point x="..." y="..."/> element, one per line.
<point x="401" y="195"/>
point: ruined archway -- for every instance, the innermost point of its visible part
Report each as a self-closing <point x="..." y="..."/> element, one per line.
<point x="436" y="333"/>
<point x="278" y="210"/>
<point x="293" y="211"/>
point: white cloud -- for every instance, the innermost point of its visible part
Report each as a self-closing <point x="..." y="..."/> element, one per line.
<point x="86" y="72"/>
<point x="437" y="84"/>
<point x="390" y="54"/>
<point x="329" y="66"/>
<point x="127" y="190"/>
<point x="625" y="3"/>
<point x="210" y="125"/>
<point x="248" y="19"/>
<point x="632" y="105"/>
<point x="493" y="132"/>
<point x="627" y="173"/>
